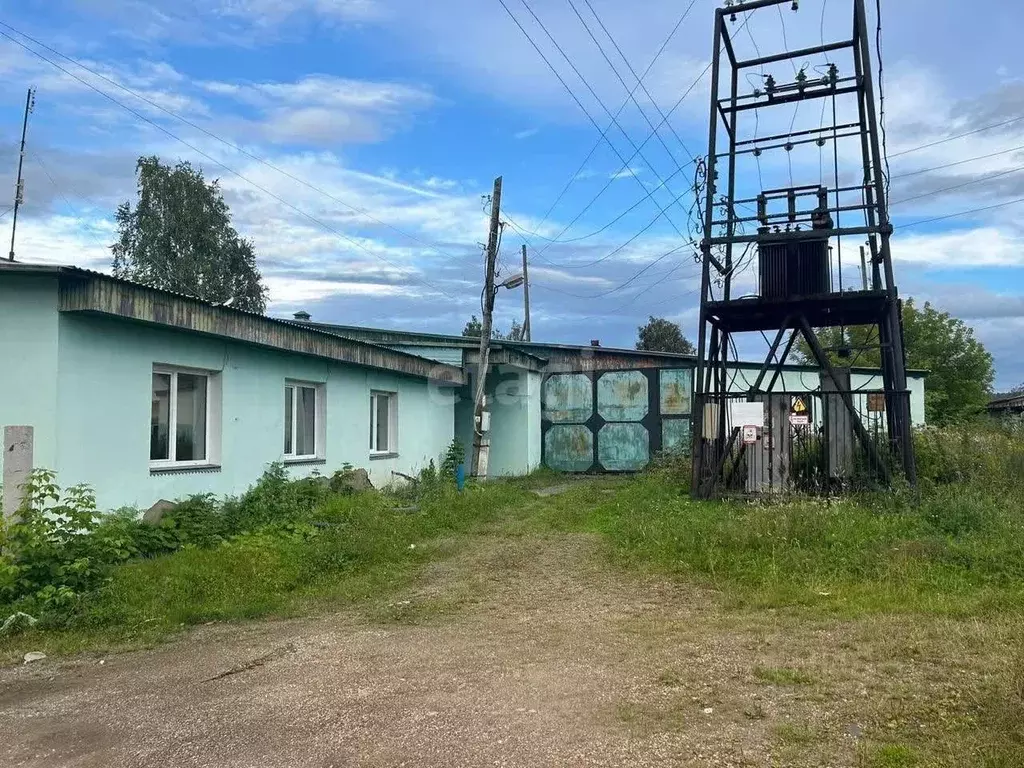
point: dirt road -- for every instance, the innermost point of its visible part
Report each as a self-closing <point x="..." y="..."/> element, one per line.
<point x="517" y="652"/>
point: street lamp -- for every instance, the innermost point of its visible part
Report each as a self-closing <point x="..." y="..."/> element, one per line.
<point x="514" y="281"/>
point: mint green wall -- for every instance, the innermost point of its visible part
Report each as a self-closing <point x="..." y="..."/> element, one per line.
<point x="514" y="399"/>
<point x="515" y="421"/>
<point x="103" y="404"/>
<point x="464" y="424"/>
<point x="797" y="381"/>
<point x="28" y="359"/>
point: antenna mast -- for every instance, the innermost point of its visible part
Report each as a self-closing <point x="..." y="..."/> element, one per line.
<point x="19" y="188"/>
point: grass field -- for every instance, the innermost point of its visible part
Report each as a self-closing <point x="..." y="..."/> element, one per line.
<point x="933" y="579"/>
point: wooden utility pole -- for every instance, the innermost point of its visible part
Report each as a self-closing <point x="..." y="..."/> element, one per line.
<point x="863" y="268"/>
<point x="526" y="297"/>
<point x="481" y="440"/>
<point x="19" y="188"/>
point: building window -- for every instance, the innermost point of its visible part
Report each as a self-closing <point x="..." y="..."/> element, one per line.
<point x="383" y="410"/>
<point x="302" y="421"/>
<point x="180" y="420"/>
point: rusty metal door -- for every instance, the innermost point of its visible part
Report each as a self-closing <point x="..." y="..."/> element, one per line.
<point x="613" y="421"/>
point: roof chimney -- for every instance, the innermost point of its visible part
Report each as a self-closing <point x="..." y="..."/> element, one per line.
<point x="302" y="316"/>
<point x="595" y="342"/>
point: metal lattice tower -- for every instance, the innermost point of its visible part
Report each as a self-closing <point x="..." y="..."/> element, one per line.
<point x="801" y="230"/>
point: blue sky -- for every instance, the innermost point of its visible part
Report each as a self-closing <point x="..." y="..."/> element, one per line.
<point x="397" y="115"/>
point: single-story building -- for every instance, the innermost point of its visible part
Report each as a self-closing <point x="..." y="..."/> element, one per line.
<point x="145" y="394"/>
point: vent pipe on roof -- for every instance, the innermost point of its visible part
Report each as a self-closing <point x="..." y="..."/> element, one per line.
<point x="302" y="316"/>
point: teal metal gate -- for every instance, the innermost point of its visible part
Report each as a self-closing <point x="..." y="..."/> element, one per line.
<point x="614" y="421"/>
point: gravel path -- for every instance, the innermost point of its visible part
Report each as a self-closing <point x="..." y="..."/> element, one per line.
<point x="518" y="652"/>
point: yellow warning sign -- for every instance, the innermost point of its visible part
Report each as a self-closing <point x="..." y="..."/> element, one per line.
<point x="799" y="414"/>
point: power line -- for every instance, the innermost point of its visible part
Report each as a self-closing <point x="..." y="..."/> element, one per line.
<point x="958" y="162"/>
<point x="227" y="168"/>
<point x="660" y="280"/>
<point x="881" y="93"/>
<point x="618" y="250"/>
<point x="608" y="183"/>
<point x="178" y="284"/>
<point x="593" y="93"/>
<point x="628" y="282"/>
<point x="987" y="177"/>
<point x="598" y="231"/>
<point x="611" y="179"/>
<point x="619" y="77"/>
<point x="961" y="213"/>
<point x="622" y="106"/>
<point x="212" y="135"/>
<point x="57" y="189"/>
<point x="639" y="81"/>
<point x="957" y="136"/>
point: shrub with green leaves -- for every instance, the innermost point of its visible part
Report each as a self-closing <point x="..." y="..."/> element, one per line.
<point x="55" y="549"/>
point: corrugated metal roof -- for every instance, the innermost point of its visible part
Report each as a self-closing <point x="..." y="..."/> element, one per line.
<point x="389" y="359"/>
<point x="527" y="347"/>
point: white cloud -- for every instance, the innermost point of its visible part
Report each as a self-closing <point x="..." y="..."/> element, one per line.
<point x="325" y="110"/>
<point x="626" y="173"/>
<point x="155" y="81"/>
<point x="227" y="22"/>
<point x="286" y="292"/>
<point x="270" y="12"/>
<point x="549" y="274"/>
<point x="525" y="134"/>
<point x="315" y="110"/>
<point x="66" y="240"/>
<point x="988" y="246"/>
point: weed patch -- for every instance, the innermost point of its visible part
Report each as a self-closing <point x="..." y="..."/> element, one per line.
<point x="284" y="548"/>
<point x="782" y="676"/>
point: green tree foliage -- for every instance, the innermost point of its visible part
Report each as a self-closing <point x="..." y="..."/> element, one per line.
<point x="961" y="370"/>
<point x="474" y="328"/>
<point x="179" y="237"/>
<point x="661" y="335"/>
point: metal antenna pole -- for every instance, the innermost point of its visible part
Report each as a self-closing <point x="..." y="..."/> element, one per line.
<point x="19" y="188"/>
<point x="526" y="297"/>
<point x="481" y="442"/>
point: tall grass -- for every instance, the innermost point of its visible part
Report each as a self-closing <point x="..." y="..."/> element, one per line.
<point x="956" y="546"/>
<point x="347" y="549"/>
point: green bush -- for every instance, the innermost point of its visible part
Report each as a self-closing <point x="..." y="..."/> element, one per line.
<point x="981" y="451"/>
<point x="274" y="499"/>
<point x="60" y="548"/>
<point x="55" y="549"/>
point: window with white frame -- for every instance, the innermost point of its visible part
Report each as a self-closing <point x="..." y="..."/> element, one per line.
<point x="303" y="420"/>
<point x="180" y="424"/>
<point x="383" y="413"/>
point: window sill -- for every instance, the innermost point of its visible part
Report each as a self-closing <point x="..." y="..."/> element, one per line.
<point x="291" y="462"/>
<point x="185" y="469"/>
<point x="388" y="455"/>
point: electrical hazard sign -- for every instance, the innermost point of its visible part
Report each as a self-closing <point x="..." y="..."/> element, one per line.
<point x="799" y="412"/>
<point x="749" y="434"/>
